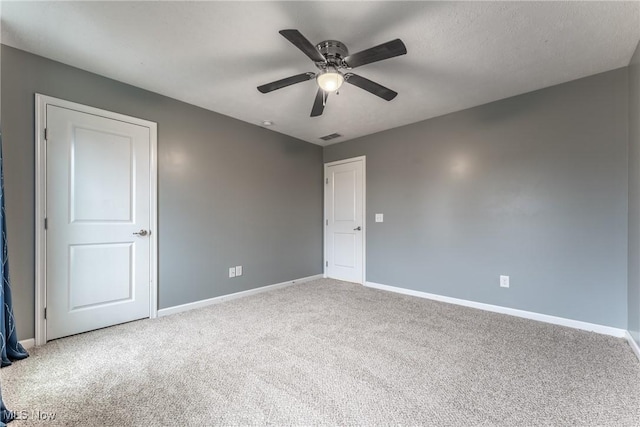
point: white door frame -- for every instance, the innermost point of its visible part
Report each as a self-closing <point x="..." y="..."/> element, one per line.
<point x="41" y="203"/>
<point x="325" y="220"/>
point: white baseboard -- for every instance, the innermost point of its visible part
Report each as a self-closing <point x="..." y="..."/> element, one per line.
<point x="634" y="345"/>
<point x="28" y="343"/>
<point x="223" y="298"/>
<point x="577" y="324"/>
<point x="601" y="329"/>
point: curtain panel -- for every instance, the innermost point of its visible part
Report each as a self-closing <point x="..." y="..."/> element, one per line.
<point x="11" y="349"/>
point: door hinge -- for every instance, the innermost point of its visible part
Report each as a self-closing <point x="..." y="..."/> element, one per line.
<point x="326" y="263"/>
<point x="46" y="134"/>
<point x="327" y="222"/>
<point x="46" y="223"/>
<point x="327" y="180"/>
<point x="45" y="313"/>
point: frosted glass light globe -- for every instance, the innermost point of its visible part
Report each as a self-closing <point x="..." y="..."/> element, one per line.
<point x="330" y="81"/>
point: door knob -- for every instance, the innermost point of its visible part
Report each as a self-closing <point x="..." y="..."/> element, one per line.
<point x="141" y="233"/>
<point x="358" y="228"/>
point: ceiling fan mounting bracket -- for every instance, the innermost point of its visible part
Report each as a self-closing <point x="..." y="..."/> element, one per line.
<point x="334" y="51"/>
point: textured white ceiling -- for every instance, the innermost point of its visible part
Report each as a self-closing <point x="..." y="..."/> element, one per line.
<point x="214" y="54"/>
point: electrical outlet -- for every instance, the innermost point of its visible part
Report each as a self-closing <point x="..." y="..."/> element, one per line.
<point x="504" y="281"/>
<point x="238" y="270"/>
<point x="379" y="217"/>
<point x="232" y="272"/>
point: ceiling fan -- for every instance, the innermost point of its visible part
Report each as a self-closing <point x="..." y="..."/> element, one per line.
<point x="333" y="60"/>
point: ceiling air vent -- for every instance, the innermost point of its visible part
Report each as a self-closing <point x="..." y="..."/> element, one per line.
<point x="332" y="136"/>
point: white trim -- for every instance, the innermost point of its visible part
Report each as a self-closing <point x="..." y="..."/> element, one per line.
<point x="28" y="343"/>
<point x="153" y="220"/>
<point x="40" y="214"/>
<point x="633" y="344"/>
<point x="362" y="159"/>
<point x="41" y="191"/>
<point x="217" y="300"/>
<point x="349" y="160"/>
<point x="606" y="330"/>
<point x="576" y="324"/>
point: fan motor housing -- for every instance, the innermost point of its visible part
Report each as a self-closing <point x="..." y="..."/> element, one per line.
<point x="334" y="51"/>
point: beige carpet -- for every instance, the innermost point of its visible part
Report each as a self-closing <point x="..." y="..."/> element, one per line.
<point x="330" y="353"/>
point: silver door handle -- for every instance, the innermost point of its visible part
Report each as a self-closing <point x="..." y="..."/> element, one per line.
<point x="358" y="228"/>
<point x="142" y="233"/>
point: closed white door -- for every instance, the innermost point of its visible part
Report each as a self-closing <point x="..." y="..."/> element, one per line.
<point x="344" y="208"/>
<point x="98" y="222"/>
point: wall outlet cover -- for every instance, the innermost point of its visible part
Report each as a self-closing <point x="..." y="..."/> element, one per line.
<point x="238" y="270"/>
<point x="232" y="272"/>
<point x="379" y="217"/>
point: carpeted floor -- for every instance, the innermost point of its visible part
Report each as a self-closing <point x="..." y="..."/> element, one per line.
<point x="330" y="353"/>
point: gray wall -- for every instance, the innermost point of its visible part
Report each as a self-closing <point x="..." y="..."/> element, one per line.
<point x="230" y="193"/>
<point x="534" y="187"/>
<point x="634" y="196"/>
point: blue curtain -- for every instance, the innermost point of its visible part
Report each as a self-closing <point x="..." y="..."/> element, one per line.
<point x="11" y="348"/>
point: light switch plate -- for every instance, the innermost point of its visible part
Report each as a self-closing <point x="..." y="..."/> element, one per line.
<point x="379" y="217"/>
<point x="504" y="281"/>
<point x="238" y="270"/>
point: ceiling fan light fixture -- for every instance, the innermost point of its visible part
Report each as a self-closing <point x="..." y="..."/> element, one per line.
<point x="334" y="62"/>
<point x="330" y="80"/>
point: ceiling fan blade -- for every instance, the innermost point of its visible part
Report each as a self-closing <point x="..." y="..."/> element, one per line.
<point x="301" y="42"/>
<point x="373" y="87"/>
<point x="279" y="84"/>
<point x="318" y="104"/>
<point x="377" y="53"/>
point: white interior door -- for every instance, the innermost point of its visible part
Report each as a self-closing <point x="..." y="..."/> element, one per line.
<point x="98" y="263"/>
<point x="344" y="211"/>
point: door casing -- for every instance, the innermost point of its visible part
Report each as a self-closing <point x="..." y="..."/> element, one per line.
<point x="363" y="159"/>
<point x="41" y="192"/>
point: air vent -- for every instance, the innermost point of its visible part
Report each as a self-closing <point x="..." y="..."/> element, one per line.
<point x="332" y="136"/>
